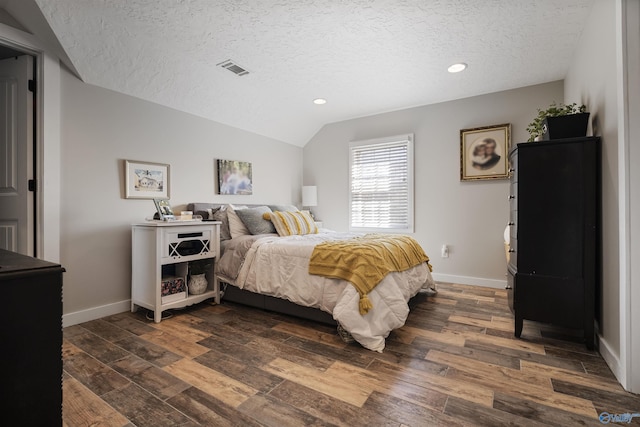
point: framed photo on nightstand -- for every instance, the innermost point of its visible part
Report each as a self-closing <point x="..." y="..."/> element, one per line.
<point x="165" y="213"/>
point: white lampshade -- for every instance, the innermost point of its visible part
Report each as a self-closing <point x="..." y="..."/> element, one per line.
<point x="309" y="195"/>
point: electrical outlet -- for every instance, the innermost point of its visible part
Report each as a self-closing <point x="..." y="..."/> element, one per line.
<point x="444" y="252"/>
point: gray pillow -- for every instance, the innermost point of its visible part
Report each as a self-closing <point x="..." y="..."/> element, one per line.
<point x="220" y="214"/>
<point x="283" y="208"/>
<point x="253" y="220"/>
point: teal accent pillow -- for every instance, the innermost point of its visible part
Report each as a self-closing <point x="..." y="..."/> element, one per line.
<point x="253" y="220"/>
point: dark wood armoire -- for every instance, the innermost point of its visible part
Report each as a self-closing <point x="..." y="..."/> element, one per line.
<point x="31" y="337"/>
<point x="554" y="266"/>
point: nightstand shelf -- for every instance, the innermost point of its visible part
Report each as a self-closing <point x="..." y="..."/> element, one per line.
<point x="158" y="246"/>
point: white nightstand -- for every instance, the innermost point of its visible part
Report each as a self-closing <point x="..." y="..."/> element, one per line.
<point x="171" y="245"/>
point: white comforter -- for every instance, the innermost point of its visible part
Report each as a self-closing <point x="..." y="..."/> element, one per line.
<point x="279" y="266"/>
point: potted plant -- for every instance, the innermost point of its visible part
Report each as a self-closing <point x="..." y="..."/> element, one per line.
<point x="559" y="121"/>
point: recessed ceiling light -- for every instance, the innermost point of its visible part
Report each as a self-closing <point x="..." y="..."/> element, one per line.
<point x="456" y="68"/>
<point x="319" y="101"/>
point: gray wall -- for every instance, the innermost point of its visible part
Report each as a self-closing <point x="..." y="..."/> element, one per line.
<point x="594" y="83"/>
<point x="468" y="216"/>
<point x="604" y="75"/>
<point x="100" y="129"/>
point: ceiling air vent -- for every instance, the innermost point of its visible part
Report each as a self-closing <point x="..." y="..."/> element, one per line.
<point x="233" y="67"/>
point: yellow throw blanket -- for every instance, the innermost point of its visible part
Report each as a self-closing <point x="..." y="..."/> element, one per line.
<point x="365" y="261"/>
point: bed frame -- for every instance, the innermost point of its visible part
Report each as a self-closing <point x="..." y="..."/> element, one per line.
<point x="282" y="306"/>
<point x="275" y="304"/>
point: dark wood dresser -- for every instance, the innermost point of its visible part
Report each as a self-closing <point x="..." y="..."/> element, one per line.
<point x="31" y="337"/>
<point x="554" y="263"/>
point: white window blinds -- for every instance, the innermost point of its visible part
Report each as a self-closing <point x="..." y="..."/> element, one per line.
<point x="381" y="196"/>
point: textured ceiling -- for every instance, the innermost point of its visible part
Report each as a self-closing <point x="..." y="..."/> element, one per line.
<point x="364" y="57"/>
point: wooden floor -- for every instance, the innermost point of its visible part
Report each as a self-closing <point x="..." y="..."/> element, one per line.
<point x="455" y="362"/>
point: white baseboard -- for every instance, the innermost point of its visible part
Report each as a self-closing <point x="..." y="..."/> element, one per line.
<point x="94" y="313"/>
<point x="612" y="360"/>
<point x="466" y="280"/>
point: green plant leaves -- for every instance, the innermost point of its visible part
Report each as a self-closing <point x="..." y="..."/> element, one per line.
<point x="554" y="110"/>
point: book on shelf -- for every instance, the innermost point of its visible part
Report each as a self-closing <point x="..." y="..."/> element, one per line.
<point x="173" y="289"/>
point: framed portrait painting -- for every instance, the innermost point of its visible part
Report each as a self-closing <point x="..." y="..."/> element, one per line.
<point x="145" y="180"/>
<point x="484" y="152"/>
<point x="234" y="177"/>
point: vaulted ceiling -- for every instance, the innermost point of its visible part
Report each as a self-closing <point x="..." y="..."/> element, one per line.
<point x="363" y="56"/>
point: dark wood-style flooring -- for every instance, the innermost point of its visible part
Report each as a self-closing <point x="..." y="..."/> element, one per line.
<point x="455" y="362"/>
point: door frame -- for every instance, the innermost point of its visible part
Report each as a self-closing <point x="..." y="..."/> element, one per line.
<point x="19" y="202"/>
<point x="48" y="144"/>
<point x="628" y="52"/>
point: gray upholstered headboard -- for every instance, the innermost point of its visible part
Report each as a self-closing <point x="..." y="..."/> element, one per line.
<point x="201" y="208"/>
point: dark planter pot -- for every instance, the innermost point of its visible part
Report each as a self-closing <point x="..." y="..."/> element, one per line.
<point x="569" y="126"/>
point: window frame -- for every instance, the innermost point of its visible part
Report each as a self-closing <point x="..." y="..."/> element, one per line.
<point x="407" y="139"/>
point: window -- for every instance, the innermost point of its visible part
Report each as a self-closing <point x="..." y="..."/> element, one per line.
<point x="381" y="194"/>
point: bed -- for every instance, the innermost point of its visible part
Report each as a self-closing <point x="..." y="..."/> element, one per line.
<point x="272" y="271"/>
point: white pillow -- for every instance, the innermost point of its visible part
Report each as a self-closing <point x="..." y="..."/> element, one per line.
<point x="236" y="226"/>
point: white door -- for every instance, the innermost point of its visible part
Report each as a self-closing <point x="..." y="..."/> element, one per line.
<point x="16" y="151"/>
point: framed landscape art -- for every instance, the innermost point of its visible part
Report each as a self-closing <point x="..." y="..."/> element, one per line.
<point x="484" y="152"/>
<point x="145" y="180"/>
